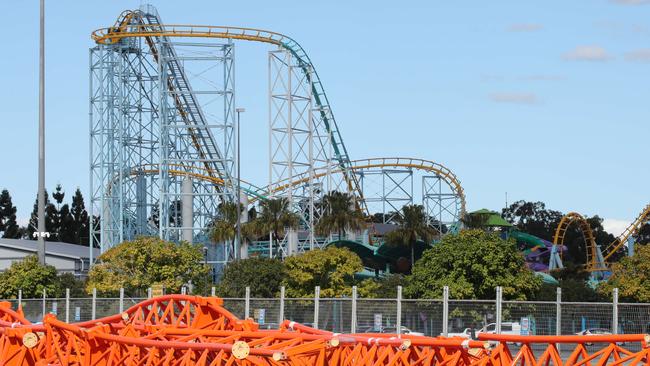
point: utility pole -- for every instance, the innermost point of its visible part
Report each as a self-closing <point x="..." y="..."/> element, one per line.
<point x="40" y="233"/>
<point x="238" y="246"/>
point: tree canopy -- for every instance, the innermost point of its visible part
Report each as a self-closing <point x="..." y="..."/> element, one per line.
<point x="413" y="226"/>
<point x="339" y="214"/>
<point x="472" y="263"/>
<point x="263" y="276"/>
<point x="141" y="263"/>
<point x="31" y="277"/>
<point x="631" y="275"/>
<point x="332" y="269"/>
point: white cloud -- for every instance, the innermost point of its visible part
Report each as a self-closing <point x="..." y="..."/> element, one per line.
<point x="640" y="55"/>
<point x="587" y="53"/>
<point x="22" y="221"/>
<point x="525" y="27"/>
<point x="614" y="226"/>
<point x="631" y="2"/>
<point x="515" y="98"/>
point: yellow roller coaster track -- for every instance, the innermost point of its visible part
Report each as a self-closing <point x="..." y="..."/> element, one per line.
<point x="613" y="247"/>
<point x="587" y="233"/>
<point x="257" y="193"/>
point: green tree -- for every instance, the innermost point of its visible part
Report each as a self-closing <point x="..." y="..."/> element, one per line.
<point x="68" y="280"/>
<point x="332" y="269"/>
<point x="141" y="263"/>
<point x="413" y="226"/>
<point x="8" y="224"/>
<point x="631" y="275"/>
<point x="574" y="282"/>
<point x="66" y="231"/>
<point x="275" y="217"/>
<point x="263" y="276"/>
<point x="31" y="277"/>
<point x="50" y="220"/>
<point x="382" y="287"/>
<point x="58" y="196"/>
<point x="472" y="263"/>
<point x="224" y="228"/>
<point x="339" y="214"/>
<point x="81" y="224"/>
<point x="533" y="218"/>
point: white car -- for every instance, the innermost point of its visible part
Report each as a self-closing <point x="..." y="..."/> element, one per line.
<point x="393" y="330"/>
<point x="513" y="328"/>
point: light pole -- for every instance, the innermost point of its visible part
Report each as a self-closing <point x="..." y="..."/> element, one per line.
<point x="40" y="232"/>
<point x="238" y="246"/>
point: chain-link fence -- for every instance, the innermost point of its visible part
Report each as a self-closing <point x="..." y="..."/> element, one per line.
<point x="431" y="317"/>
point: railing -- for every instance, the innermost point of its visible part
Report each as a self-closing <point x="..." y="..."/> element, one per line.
<point x="431" y="317"/>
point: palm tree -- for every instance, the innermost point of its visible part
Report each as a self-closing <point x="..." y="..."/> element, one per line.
<point x="275" y="217"/>
<point x="224" y="228"/>
<point x="413" y="226"/>
<point x="339" y="214"/>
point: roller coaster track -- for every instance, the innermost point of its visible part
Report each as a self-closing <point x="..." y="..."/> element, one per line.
<point x="124" y="29"/>
<point x="186" y="330"/>
<point x="594" y="263"/>
<point x="180" y="89"/>
<point x="260" y="193"/>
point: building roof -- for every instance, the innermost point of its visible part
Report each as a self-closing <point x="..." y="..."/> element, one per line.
<point x="53" y="248"/>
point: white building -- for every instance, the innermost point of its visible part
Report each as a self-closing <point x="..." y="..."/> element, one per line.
<point x="64" y="257"/>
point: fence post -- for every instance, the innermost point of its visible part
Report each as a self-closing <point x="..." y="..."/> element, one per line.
<point x="398" y="321"/>
<point x="558" y="311"/>
<point x="316" y="305"/>
<point x="149" y="293"/>
<point x="67" y="305"/>
<point x="213" y="291"/>
<point x="445" y="311"/>
<point x="615" y="310"/>
<point x="499" y="310"/>
<point x="44" y="309"/>
<point x="94" y="311"/>
<point x="353" y="325"/>
<point x="121" y="300"/>
<point x="183" y="290"/>
<point x="247" y="303"/>
<point x="281" y="305"/>
<point x="20" y="298"/>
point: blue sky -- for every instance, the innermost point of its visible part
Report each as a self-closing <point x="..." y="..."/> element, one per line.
<point x="545" y="100"/>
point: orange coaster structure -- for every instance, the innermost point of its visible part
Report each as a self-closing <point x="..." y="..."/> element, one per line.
<point x="192" y="330"/>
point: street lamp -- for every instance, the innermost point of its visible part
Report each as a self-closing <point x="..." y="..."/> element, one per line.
<point x="238" y="246"/>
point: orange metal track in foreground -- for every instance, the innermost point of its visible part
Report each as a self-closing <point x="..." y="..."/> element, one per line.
<point x="190" y="330"/>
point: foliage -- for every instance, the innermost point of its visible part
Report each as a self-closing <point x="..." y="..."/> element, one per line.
<point x="31" y="277"/>
<point x="472" y="263"/>
<point x="533" y="218"/>
<point x="413" y="226"/>
<point x="8" y="225"/>
<point x="475" y="220"/>
<point x="141" y="263"/>
<point x="263" y="276"/>
<point x="339" y="214"/>
<point x="50" y="220"/>
<point x="631" y="275"/>
<point x="224" y="228"/>
<point x="332" y="269"/>
<point x="382" y="287"/>
<point x="69" y="281"/>
<point x="275" y="217"/>
<point x="573" y="280"/>
<point x="81" y="221"/>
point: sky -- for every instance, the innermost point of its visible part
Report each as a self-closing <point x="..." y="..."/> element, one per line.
<point x="544" y="100"/>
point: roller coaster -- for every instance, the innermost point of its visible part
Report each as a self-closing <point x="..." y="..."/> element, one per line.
<point x="597" y="259"/>
<point x="162" y="131"/>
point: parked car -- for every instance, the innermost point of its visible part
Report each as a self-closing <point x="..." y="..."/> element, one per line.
<point x="392" y="330"/>
<point x="595" y="331"/>
<point x="513" y="328"/>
